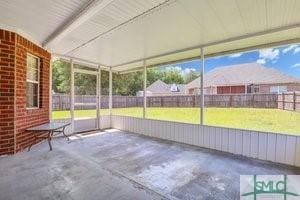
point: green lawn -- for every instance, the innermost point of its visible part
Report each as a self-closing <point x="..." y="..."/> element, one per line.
<point x="271" y="120"/>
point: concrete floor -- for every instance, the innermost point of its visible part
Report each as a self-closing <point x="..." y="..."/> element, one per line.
<point x="119" y="165"/>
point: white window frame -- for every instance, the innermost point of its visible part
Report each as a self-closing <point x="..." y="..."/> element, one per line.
<point x="35" y="82"/>
<point x="278" y="89"/>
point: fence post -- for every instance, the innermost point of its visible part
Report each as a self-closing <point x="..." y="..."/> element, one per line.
<point x="60" y="102"/>
<point x="283" y="101"/>
<point x="230" y="100"/>
<point x="294" y="98"/>
<point x="277" y="101"/>
<point x="194" y="101"/>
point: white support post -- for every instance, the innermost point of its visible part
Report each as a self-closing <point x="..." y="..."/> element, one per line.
<point x="98" y="92"/>
<point x="110" y="93"/>
<point x="72" y="95"/>
<point x="145" y="88"/>
<point x="50" y="90"/>
<point x="202" y="88"/>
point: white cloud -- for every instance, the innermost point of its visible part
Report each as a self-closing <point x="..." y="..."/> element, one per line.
<point x="297" y="65"/>
<point x="183" y="71"/>
<point x="236" y="55"/>
<point x="297" y="50"/>
<point x="187" y="71"/>
<point x="289" y="48"/>
<point x="261" y="61"/>
<point x="268" y="55"/>
<point x="174" y="68"/>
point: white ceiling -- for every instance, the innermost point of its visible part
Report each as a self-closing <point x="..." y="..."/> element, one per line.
<point x="37" y="19"/>
<point x="124" y="32"/>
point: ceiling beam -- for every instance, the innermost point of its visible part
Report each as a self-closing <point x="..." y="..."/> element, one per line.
<point x="76" y="20"/>
<point x="233" y="39"/>
<point x="221" y="53"/>
<point x="79" y="61"/>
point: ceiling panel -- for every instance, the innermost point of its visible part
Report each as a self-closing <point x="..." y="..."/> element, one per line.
<point x="37" y="19"/>
<point x="106" y="19"/>
<point x="188" y="24"/>
<point x="253" y="14"/>
<point x="229" y="18"/>
<point x="202" y="13"/>
<point x="166" y="28"/>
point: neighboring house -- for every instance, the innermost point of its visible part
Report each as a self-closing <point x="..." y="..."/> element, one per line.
<point x="160" y="88"/>
<point x="244" y="78"/>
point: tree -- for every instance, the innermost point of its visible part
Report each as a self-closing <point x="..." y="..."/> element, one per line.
<point x="153" y="74"/>
<point x="85" y="84"/>
<point x="127" y="84"/>
<point x="61" y="77"/>
<point x="167" y="75"/>
<point x="192" y="75"/>
<point x="104" y="82"/>
<point x="172" y="75"/>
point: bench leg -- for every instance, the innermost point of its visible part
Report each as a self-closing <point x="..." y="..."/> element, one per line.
<point x="49" y="140"/>
<point x="29" y="148"/>
<point x="63" y="132"/>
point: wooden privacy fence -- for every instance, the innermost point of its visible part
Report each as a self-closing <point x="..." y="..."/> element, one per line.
<point x="289" y="101"/>
<point x="62" y="102"/>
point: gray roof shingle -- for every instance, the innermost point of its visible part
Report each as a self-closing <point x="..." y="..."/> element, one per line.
<point x="241" y="74"/>
<point x="161" y="87"/>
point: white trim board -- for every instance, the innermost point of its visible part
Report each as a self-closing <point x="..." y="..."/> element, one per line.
<point x="273" y="147"/>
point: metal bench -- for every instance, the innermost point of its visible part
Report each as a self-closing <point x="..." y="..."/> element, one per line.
<point x="52" y="129"/>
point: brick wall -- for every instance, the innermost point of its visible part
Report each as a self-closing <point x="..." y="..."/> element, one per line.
<point x="13" y="136"/>
<point x="27" y="118"/>
<point x="7" y="77"/>
<point x="239" y="89"/>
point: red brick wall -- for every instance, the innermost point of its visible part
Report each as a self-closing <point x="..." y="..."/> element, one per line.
<point x="27" y="118"/>
<point x="7" y="77"/>
<point x="14" y="117"/>
<point x="231" y="89"/>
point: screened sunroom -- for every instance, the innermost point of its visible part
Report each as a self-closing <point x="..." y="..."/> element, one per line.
<point x="134" y="129"/>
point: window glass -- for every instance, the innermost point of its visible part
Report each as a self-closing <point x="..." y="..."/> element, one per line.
<point x="32" y="81"/>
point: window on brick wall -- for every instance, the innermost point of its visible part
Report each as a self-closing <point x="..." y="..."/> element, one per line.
<point x="32" y="81"/>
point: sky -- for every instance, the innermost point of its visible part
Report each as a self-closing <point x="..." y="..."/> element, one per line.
<point x="285" y="59"/>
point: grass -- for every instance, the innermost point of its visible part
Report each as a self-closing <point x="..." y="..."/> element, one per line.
<point x="270" y="120"/>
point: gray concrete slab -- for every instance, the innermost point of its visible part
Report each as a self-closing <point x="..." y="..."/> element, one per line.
<point x="119" y="165"/>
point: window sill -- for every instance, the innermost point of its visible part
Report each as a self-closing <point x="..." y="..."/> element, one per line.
<point x="33" y="108"/>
